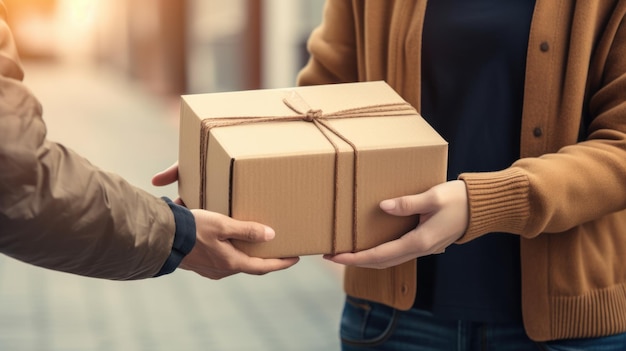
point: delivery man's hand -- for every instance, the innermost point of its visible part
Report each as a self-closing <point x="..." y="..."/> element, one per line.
<point x="444" y="215"/>
<point x="213" y="255"/>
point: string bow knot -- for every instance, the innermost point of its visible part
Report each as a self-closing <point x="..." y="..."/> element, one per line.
<point x="312" y="114"/>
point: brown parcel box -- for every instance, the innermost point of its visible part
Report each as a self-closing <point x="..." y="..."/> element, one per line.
<point x="251" y="156"/>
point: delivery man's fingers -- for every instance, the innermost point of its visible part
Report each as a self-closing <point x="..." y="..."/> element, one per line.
<point x="222" y="227"/>
<point x="260" y="266"/>
<point x="246" y="231"/>
<point x="167" y="176"/>
<point x="254" y="232"/>
<point x="229" y="261"/>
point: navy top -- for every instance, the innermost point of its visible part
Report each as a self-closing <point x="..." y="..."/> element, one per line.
<point x="473" y="63"/>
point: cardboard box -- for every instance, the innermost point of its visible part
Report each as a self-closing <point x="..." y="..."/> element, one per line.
<point x="311" y="162"/>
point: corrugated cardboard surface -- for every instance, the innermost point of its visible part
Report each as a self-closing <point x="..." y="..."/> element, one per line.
<point x="282" y="173"/>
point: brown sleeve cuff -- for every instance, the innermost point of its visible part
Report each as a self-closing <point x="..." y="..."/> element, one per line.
<point x="498" y="202"/>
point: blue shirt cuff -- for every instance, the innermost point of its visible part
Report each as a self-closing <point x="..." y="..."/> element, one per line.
<point x="184" y="237"/>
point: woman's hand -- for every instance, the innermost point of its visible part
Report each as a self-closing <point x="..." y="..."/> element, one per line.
<point x="444" y="215"/>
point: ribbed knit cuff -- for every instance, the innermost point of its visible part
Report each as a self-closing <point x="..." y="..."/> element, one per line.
<point x="184" y="237"/>
<point x="498" y="202"/>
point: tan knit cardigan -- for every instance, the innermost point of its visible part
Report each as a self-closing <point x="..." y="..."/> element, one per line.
<point x="565" y="197"/>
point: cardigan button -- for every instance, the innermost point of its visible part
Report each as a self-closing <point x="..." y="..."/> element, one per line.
<point x="404" y="289"/>
<point x="537" y="132"/>
<point x="544" y="46"/>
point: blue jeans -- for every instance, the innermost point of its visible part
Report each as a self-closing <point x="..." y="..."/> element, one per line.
<point x="366" y="325"/>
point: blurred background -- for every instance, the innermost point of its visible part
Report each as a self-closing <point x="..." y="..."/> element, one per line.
<point x="109" y="74"/>
<point x="173" y="46"/>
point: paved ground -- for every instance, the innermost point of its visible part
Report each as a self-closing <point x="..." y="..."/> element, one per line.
<point x="121" y="128"/>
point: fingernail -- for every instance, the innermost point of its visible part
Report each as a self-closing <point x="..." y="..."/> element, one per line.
<point x="269" y="233"/>
<point x="387" y="205"/>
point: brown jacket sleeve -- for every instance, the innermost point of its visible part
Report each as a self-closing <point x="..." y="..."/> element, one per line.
<point x="56" y="209"/>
